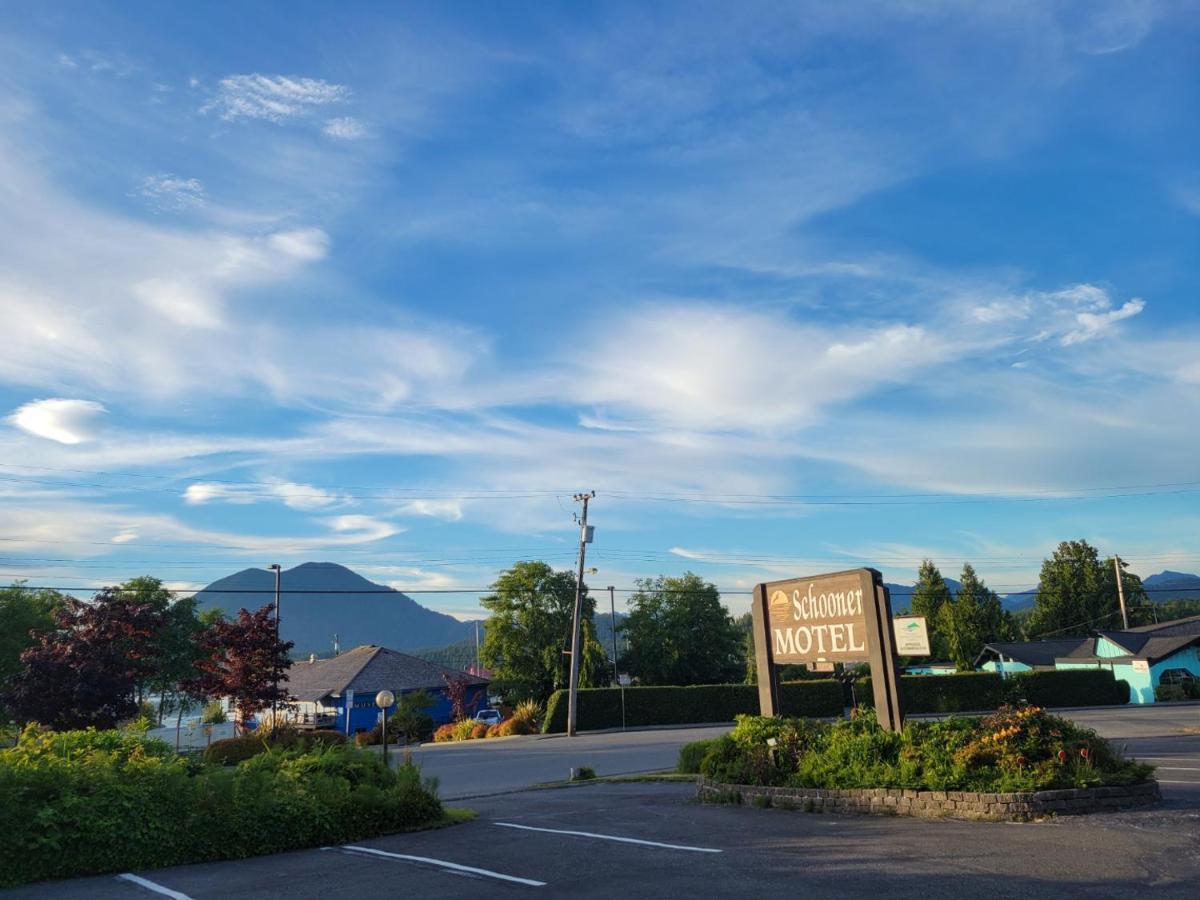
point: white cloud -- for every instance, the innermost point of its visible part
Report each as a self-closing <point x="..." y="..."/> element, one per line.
<point x="61" y="420"/>
<point x="295" y="496"/>
<point x="272" y="97"/>
<point x="362" y="527"/>
<point x="304" y="244"/>
<point x="165" y="192"/>
<point x="183" y="303"/>
<point x="450" y="510"/>
<point x="345" y="128"/>
<point x="688" y="554"/>
<point x="1093" y="325"/>
<point x="1071" y="315"/>
<point x="712" y="367"/>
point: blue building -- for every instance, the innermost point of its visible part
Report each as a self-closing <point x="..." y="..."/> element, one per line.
<point x="1138" y="656"/>
<point x="340" y="692"/>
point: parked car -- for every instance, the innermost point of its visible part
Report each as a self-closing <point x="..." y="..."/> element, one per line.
<point x="489" y="716"/>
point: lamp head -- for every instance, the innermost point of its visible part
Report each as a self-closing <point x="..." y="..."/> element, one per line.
<point x="384" y="699"/>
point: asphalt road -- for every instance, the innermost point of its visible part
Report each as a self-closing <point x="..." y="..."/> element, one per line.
<point x="637" y="840"/>
<point x="480" y="768"/>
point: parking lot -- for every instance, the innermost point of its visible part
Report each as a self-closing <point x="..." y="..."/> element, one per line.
<point x="640" y="838"/>
<point x="653" y="839"/>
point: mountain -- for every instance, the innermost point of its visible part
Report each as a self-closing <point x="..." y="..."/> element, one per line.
<point x="901" y="594"/>
<point x="1168" y="585"/>
<point x="335" y="600"/>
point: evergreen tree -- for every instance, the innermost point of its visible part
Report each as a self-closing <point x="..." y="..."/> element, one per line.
<point x="929" y="595"/>
<point x="974" y="618"/>
<point x="1073" y="597"/>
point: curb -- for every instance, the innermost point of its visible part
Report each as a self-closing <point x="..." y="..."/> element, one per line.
<point x="1024" y="806"/>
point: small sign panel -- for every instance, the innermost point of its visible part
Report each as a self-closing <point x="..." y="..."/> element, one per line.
<point x="1141" y="665"/>
<point x="912" y="637"/>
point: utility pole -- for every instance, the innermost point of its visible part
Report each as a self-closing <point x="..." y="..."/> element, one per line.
<point x="585" y="538"/>
<point x="612" y="608"/>
<point x="1121" y="590"/>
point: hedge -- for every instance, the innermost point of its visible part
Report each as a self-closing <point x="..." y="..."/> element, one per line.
<point x="942" y="693"/>
<point x="970" y="691"/>
<point x="1068" y="687"/>
<point x="89" y="802"/>
<point x="695" y="705"/>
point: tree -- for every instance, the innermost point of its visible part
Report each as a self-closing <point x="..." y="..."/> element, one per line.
<point x="529" y="628"/>
<point x="972" y="619"/>
<point x="456" y="693"/>
<point x="242" y="660"/>
<point x="85" y="670"/>
<point x="929" y="595"/>
<point x="23" y="612"/>
<point x="1072" y="598"/>
<point x="680" y="633"/>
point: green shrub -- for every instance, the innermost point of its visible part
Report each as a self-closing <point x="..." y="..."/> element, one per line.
<point x="1124" y="692"/>
<point x="583" y="773"/>
<point x="690" y="756"/>
<point x="115" y="803"/>
<point x="1015" y="749"/>
<point x="1065" y="687"/>
<point x="238" y="749"/>
<point x="1167" y="693"/>
<point x="646" y="706"/>
<point x="214" y="713"/>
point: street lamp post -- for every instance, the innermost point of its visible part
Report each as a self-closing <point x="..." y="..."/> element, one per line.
<point x="384" y="700"/>
<point x="275" y="699"/>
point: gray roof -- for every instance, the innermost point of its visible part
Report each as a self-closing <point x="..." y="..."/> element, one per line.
<point x="1036" y="653"/>
<point x="1149" y="647"/>
<point x="367" y="670"/>
<point x="1189" y="625"/>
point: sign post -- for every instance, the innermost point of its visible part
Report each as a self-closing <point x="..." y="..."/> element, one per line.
<point x="839" y="617"/>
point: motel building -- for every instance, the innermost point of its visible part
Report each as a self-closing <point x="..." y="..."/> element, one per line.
<point x="1138" y="656"/>
<point x="339" y="693"/>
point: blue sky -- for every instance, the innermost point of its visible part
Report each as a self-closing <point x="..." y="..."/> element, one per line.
<point x="792" y="290"/>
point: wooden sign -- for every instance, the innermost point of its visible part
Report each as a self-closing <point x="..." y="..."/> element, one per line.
<point x="841" y="616"/>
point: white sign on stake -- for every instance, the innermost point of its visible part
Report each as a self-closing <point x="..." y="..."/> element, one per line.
<point x="912" y="637"/>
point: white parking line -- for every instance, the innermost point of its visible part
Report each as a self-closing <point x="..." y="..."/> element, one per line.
<point x="1193" y="783"/>
<point x="1179" y="768"/>
<point x="609" y="837"/>
<point x="443" y="864"/>
<point x="151" y="886"/>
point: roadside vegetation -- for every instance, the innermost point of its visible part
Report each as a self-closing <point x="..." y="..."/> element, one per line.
<point x="87" y="802"/>
<point x="525" y="719"/>
<point x="1016" y="749"/>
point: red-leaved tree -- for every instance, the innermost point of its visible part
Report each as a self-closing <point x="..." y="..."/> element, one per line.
<point x="85" y="671"/>
<point x="456" y="692"/>
<point x="243" y="660"/>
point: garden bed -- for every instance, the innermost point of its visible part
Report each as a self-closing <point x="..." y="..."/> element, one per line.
<point x="1021" y="806"/>
<point x="1019" y="763"/>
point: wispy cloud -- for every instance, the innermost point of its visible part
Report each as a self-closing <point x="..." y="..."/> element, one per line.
<point x="296" y="496"/>
<point x="274" y="98"/>
<point x="165" y="192"/>
<point x="345" y="128"/>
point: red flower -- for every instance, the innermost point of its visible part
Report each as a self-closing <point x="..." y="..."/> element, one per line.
<point x="1062" y="755"/>
<point x="1021" y="760"/>
<point x="1084" y="752"/>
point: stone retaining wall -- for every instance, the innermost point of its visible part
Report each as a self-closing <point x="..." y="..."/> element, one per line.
<point x="1020" y="807"/>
